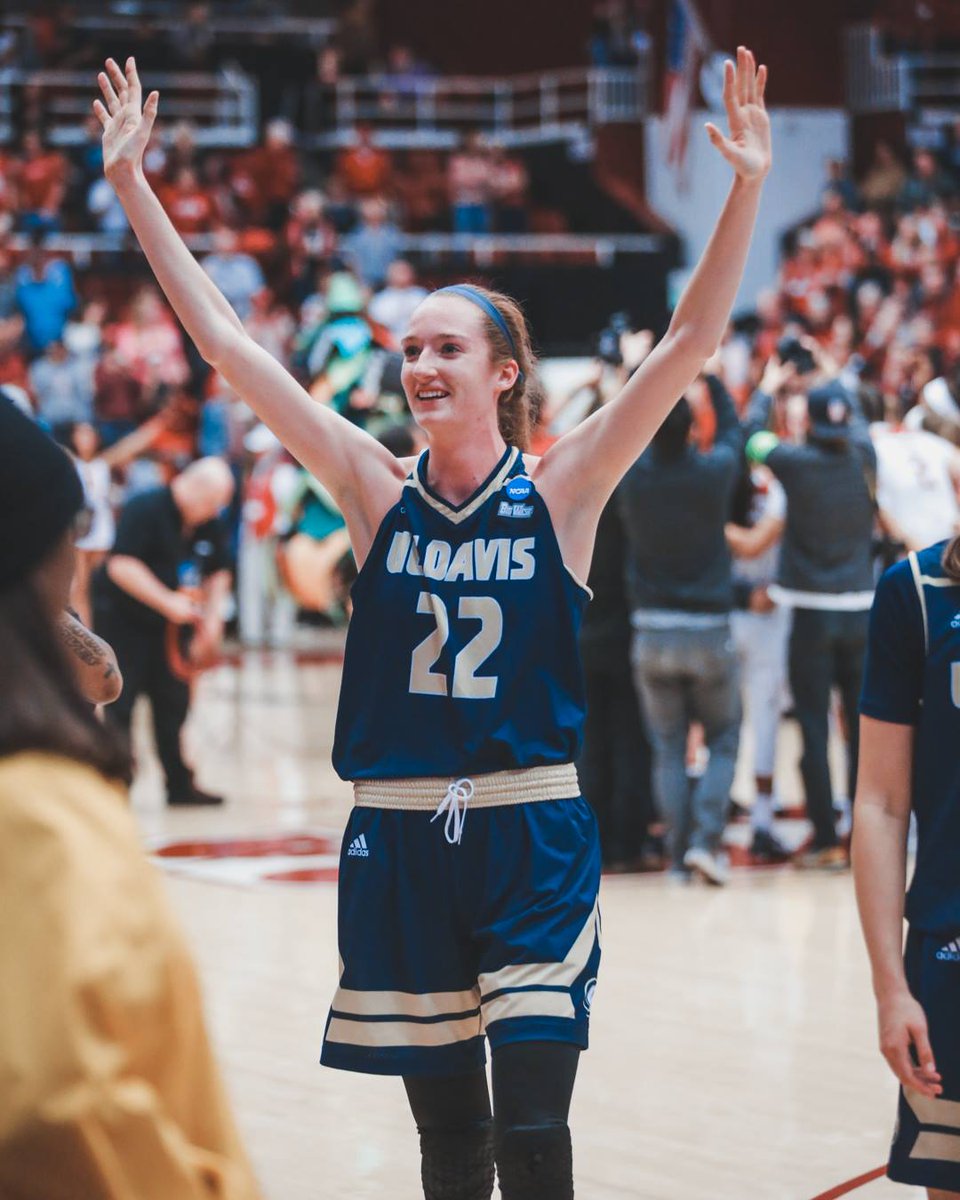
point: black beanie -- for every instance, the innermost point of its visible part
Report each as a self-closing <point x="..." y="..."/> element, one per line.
<point x="40" y="493"/>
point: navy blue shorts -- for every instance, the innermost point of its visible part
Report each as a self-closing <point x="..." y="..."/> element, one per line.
<point x="442" y="944"/>
<point x="926" y="1142"/>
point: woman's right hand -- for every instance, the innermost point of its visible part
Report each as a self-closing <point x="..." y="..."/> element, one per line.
<point x="902" y="1025"/>
<point x="127" y="123"/>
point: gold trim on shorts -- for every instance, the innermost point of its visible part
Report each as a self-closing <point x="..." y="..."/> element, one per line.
<point x="496" y="788"/>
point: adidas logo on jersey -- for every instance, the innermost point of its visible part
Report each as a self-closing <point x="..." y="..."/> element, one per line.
<point x="358" y="848"/>
<point x="949" y="953"/>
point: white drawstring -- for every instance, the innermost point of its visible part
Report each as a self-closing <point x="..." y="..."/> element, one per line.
<point x="459" y="792"/>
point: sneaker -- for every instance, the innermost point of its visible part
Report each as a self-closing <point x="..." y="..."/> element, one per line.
<point x="767" y="847"/>
<point x="824" y="858"/>
<point x="194" y="797"/>
<point x="712" y="868"/>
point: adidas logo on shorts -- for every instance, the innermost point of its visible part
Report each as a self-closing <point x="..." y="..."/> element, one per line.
<point x="358" y="848"/>
<point x="949" y="953"/>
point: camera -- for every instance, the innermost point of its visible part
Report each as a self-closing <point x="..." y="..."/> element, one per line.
<point x="608" y="340"/>
<point x="789" y="350"/>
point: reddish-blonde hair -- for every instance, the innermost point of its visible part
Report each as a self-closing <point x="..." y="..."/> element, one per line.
<point x="518" y="408"/>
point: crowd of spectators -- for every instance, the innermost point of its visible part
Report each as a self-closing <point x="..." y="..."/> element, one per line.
<point x="310" y="254"/>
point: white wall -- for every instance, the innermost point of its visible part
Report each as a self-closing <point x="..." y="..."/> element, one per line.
<point x="803" y="140"/>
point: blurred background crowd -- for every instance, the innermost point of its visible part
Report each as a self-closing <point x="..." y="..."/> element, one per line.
<point x="827" y="424"/>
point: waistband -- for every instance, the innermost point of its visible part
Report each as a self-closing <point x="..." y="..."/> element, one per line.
<point x="495" y="788"/>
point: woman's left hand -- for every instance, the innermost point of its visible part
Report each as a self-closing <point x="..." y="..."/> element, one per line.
<point x="747" y="149"/>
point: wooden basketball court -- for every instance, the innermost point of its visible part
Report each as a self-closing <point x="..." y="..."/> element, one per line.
<point x="733" y="1053"/>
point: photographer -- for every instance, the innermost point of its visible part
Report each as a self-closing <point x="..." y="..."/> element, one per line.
<point x="826" y="568"/>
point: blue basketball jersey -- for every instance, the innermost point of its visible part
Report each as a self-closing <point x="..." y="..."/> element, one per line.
<point x="462" y="651"/>
<point x="912" y="677"/>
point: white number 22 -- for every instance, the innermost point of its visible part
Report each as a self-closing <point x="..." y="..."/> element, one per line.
<point x="467" y="684"/>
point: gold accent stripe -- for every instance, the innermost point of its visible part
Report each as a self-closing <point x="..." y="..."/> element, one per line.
<point x="458" y="515"/>
<point x="578" y="581"/>
<point x="528" y="1004"/>
<point x="556" y="974"/>
<point x="402" y="1033"/>
<point x="941" y="1147"/>
<point x="918" y="584"/>
<point x="558" y="782"/>
<point x="930" y="1111"/>
<point x="403" y="1004"/>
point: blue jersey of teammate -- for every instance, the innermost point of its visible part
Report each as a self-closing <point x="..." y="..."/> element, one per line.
<point x="912" y="677"/>
<point x="462" y="652"/>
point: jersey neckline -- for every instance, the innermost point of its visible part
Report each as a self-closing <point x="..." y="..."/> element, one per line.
<point x="458" y="512"/>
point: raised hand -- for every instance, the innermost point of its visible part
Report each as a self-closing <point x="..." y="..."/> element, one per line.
<point x="747" y="149"/>
<point x="126" y="121"/>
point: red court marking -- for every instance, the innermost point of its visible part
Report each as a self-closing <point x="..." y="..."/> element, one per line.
<point x="852" y="1184"/>
<point x="307" y="875"/>
<point x="293" y="845"/>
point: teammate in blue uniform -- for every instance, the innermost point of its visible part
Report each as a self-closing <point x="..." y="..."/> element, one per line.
<point x="909" y="725"/>
<point x="470" y="866"/>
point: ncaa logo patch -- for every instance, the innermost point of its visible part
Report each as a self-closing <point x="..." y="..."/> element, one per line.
<point x="518" y="489"/>
<point x="588" y="994"/>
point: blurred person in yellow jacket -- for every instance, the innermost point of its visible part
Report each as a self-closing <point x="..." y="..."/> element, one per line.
<point x="108" y="1088"/>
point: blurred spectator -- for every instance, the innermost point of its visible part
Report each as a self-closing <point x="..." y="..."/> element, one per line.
<point x="237" y="275"/>
<point x="374" y="244"/>
<point x="918" y="478"/>
<point x="394" y="304"/>
<point x="271" y="325"/>
<point x="927" y="183"/>
<point x="318" y="97"/>
<point x="45" y="296"/>
<point x="61" y="385"/>
<point x="363" y="168"/>
<point x="825" y="576"/>
<point x="119" y="400"/>
<point x="402" y="78"/>
<point x="86" y="163"/>
<point x="267" y="610"/>
<point x="509" y="181"/>
<point x="188" y="205"/>
<point x="191" y="44"/>
<point x="309" y="236"/>
<point x="41" y="179"/>
<point x="840" y="181"/>
<point x="885" y="176"/>
<point x="149" y="342"/>
<point x="105" y="210"/>
<point x="468" y="185"/>
<point x="614" y="764"/>
<point x="761" y="632"/>
<point x="266" y="178"/>
<point x="681" y="593"/>
<point x="421" y="190"/>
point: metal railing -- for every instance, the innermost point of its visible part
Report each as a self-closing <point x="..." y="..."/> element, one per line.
<point x="222" y="107"/>
<point x="481" y="249"/>
<point x="901" y="82"/>
<point x="513" y="109"/>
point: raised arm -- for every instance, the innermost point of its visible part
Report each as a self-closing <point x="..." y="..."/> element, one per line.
<point x="593" y="457"/>
<point x="363" y="475"/>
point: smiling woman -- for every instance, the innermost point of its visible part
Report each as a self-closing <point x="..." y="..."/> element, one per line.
<point x="462" y="688"/>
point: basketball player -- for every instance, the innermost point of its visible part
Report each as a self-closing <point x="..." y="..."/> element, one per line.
<point x="908" y="762"/>
<point x="470" y="866"/>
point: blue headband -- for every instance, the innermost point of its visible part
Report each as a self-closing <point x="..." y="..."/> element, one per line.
<point x="495" y="315"/>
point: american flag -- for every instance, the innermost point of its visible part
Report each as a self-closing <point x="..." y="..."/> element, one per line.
<point x="687" y="45"/>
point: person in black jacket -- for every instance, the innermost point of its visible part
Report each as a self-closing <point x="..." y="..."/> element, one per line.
<point x="168" y="541"/>
<point x="825" y="576"/>
<point x="675" y="501"/>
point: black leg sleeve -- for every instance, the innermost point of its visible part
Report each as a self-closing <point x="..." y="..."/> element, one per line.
<point x="532" y="1088"/>
<point x="456" y="1135"/>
